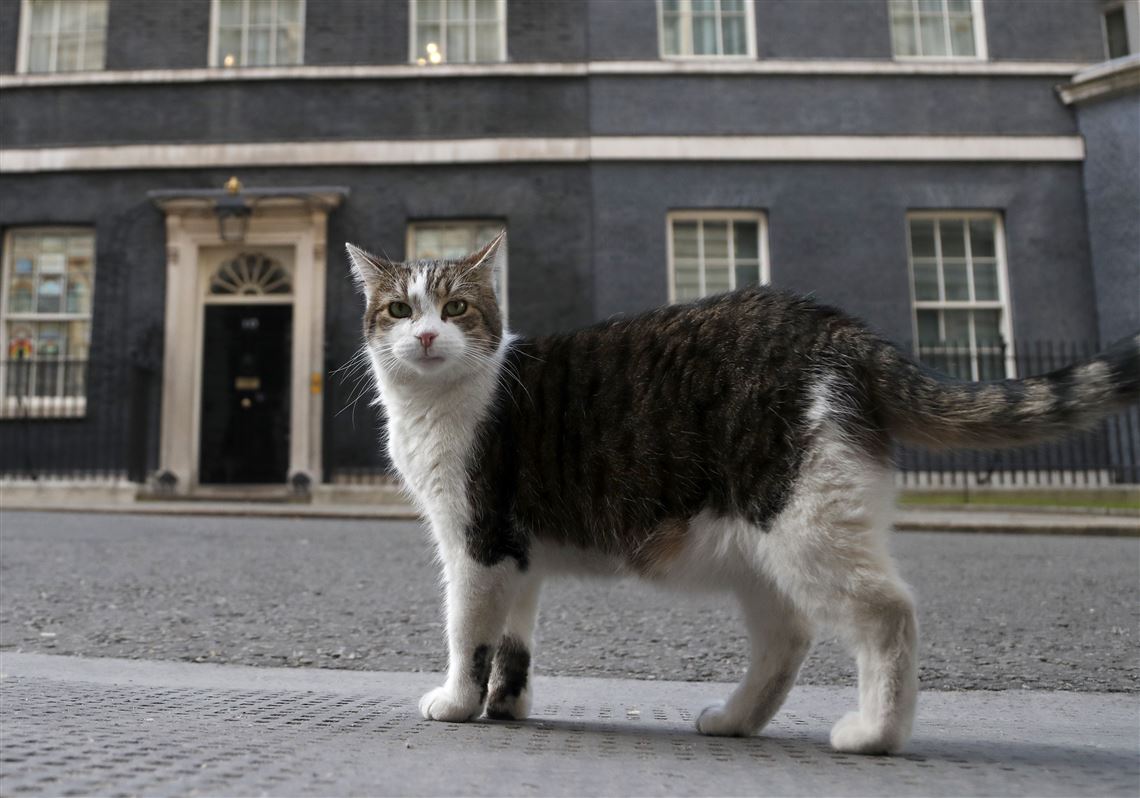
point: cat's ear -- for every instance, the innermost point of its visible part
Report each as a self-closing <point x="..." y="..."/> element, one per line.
<point x="486" y="261"/>
<point x="371" y="271"/>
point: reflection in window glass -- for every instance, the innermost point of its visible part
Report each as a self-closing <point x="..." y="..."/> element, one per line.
<point x="65" y="35"/>
<point x="458" y="31"/>
<point x="258" y="33"/>
<point x="933" y="28"/>
<point x="704" y="28"/>
<point x="45" y="321"/>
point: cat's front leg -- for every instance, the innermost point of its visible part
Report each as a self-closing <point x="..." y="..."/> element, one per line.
<point x="478" y="597"/>
<point x="510" y="690"/>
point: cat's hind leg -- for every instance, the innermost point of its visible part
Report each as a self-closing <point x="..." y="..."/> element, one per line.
<point x="884" y="633"/>
<point x="510" y="691"/>
<point x="828" y="552"/>
<point x="780" y="636"/>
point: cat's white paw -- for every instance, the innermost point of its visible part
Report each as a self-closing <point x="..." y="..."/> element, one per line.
<point x="853" y="735"/>
<point x="717" y="721"/>
<point x="508" y="707"/>
<point x="442" y="704"/>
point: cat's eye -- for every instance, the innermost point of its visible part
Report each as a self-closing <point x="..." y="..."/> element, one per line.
<point x="400" y="310"/>
<point x="456" y="307"/>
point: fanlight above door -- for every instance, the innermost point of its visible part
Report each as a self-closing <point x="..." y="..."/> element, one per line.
<point x="251" y="274"/>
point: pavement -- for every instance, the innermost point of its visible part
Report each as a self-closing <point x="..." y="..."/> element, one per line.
<point x="104" y="726"/>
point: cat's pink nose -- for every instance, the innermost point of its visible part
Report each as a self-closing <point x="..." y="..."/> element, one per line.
<point x="427" y="337"/>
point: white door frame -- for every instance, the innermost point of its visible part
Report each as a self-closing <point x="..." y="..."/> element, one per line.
<point x="191" y="227"/>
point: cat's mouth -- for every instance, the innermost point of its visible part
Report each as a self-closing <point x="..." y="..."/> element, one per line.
<point x="430" y="360"/>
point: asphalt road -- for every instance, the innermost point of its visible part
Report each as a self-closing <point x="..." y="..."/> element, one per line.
<point x="996" y="612"/>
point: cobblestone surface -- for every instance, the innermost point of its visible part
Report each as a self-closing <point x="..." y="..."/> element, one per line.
<point x="109" y="727"/>
<point x="997" y="612"/>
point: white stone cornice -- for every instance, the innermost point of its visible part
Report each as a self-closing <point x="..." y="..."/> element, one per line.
<point x="901" y="67"/>
<point x="538" y="150"/>
<point x="1119" y="76"/>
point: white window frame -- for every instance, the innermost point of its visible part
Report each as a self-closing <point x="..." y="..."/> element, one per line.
<point x="501" y="13"/>
<point x="423" y="224"/>
<point x="23" y="44"/>
<point x="41" y="406"/>
<point x="749" y="34"/>
<point x="701" y="216"/>
<point x="977" y="15"/>
<point x="215" y="56"/>
<point x="1002" y="303"/>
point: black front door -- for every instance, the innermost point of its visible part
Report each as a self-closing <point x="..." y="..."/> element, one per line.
<point x="245" y="394"/>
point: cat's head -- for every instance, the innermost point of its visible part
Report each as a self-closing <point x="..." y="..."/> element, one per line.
<point x="435" y="320"/>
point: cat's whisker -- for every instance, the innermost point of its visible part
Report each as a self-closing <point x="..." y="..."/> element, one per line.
<point x="358" y="359"/>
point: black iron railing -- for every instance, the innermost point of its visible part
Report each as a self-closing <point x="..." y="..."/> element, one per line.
<point x="1106" y="455"/>
<point x="68" y="419"/>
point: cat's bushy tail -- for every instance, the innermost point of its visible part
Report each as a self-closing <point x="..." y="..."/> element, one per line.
<point x="925" y="408"/>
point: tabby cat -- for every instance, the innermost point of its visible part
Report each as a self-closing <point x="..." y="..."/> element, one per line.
<point x="741" y="441"/>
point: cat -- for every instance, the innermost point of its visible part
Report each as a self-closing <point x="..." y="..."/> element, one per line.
<point x="739" y="442"/>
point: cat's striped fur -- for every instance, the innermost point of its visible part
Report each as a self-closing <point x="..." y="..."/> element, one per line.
<point x="739" y="442"/>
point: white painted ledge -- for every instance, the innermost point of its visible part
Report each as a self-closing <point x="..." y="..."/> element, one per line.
<point x="1118" y="76"/>
<point x="510" y="150"/>
<point x="550" y="70"/>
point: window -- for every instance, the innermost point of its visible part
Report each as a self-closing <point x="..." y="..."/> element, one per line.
<point x="458" y="31"/>
<point x="937" y="28"/>
<point x="711" y="252"/>
<point x="961" y="312"/>
<point x="46" y="314"/>
<point x="450" y="240"/>
<point x="63" y="35"/>
<point x="257" y="33"/>
<point x="1116" y="33"/>
<point x="691" y="28"/>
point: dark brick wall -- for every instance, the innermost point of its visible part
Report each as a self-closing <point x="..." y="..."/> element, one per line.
<point x="356" y="32"/>
<point x="625" y="30"/>
<point x="1112" y="189"/>
<point x="838" y="231"/>
<point x="835" y="105"/>
<point x="474" y="107"/>
<point x="546" y="30"/>
<point x="294" y="111"/>
<point x="1045" y="30"/>
<point x="143" y="34"/>
<point x="822" y="29"/>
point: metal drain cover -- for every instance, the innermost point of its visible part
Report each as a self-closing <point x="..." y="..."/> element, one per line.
<point x="74" y="726"/>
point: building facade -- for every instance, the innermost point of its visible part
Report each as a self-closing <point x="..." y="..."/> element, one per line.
<point x="960" y="173"/>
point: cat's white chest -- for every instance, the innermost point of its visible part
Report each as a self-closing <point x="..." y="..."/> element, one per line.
<point x="429" y="456"/>
<point x="430" y="446"/>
